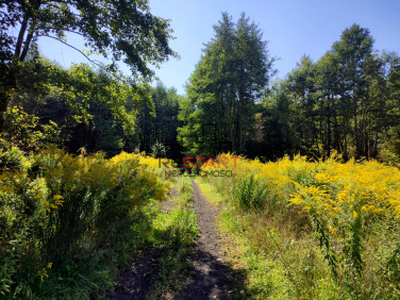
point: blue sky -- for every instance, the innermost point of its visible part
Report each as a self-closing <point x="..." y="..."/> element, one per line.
<point x="292" y="27"/>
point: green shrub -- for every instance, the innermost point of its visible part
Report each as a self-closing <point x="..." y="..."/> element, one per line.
<point x="56" y="207"/>
<point x="11" y="158"/>
<point x="388" y="157"/>
<point x="185" y="185"/>
<point x="250" y="193"/>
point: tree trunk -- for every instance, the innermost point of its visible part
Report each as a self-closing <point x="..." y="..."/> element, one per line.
<point x="8" y="82"/>
<point x="329" y="145"/>
<point x="356" y="132"/>
<point x="239" y="126"/>
<point x="3" y="106"/>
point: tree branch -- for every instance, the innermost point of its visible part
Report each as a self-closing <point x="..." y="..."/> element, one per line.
<point x="55" y="29"/>
<point x="21" y="34"/>
<point x="76" y="49"/>
<point x="87" y="57"/>
<point x="27" y="42"/>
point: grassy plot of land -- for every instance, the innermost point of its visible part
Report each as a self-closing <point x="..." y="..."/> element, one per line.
<point x="274" y="264"/>
<point x="158" y="269"/>
<point x="189" y="264"/>
<point x="312" y="230"/>
<point x="210" y="275"/>
<point x="182" y="257"/>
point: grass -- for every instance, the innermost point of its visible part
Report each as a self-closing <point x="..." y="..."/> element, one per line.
<point x="178" y="230"/>
<point x="300" y="229"/>
<point x="312" y="229"/>
<point x="278" y="266"/>
<point x="172" y="234"/>
<point x="69" y="223"/>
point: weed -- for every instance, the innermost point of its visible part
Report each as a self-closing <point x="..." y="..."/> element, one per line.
<point x="351" y="208"/>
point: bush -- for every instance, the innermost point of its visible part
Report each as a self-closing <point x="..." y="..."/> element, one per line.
<point x="388" y="157"/>
<point x="11" y="158"/>
<point x="352" y="209"/>
<point x="250" y="193"/>
<point x="58" y="207"/>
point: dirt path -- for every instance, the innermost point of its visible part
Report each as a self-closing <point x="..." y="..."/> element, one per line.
<point x="209" y="277"/>
<point x="137" y="281"/>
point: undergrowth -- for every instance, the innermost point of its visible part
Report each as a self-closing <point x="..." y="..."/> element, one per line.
<point x="174" y="233"/>
<point x="312" y="230"/>
<point x="68" y="223"/>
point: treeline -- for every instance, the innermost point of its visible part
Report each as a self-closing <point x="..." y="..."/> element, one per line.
<point x="84" y="109"/>
<point x="347" y="102"/>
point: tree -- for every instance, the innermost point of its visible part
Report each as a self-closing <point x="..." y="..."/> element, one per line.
<point x="355" y="53"/>
<point x="300" y="88"/>
<point x="346" y="102"/>
<point x="157" y="122"/>
<point x="228" y="81"/>
<point x="123" y="30"/>
<point x="93" y="109"/>
<point x="385" y="90"/>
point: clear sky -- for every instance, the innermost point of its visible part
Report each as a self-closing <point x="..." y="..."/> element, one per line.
<point x="292" y="27"/>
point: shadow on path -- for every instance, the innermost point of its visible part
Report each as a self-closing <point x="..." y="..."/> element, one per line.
<point x="136" y="282"/>
<point x="209" y="276"/>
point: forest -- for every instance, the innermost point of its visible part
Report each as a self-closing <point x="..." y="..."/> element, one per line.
<point x="311" y="206"/>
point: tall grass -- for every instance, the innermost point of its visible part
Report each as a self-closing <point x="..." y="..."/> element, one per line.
<point x="175" y="232"/>
<point x="250" y="193"/>
<point x="63" y="217"/>
<point x="349" y="211"/>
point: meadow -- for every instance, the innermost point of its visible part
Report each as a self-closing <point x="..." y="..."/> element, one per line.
<point x="312" y="229"/>
<point x="98" y="157"/>
<point x="69" y="222"/>
<point x="300" y="229"/>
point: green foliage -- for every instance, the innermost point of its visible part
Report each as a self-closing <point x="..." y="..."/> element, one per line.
<point x="229" y="79"/>
<point x="278" y="264"/>
<point x="20" y="128"/>
<point x="392" y="270"/>
<point x="180" y="228"/>
<point x="388" y="157"/>
<point x="133" y="34"/>
<point x="322" y="235"/>
<point x="175" y="232"/>
<point x="77" y="107"/>
<point x="11" y="157"/>
<point x="158" y="150"/>
<point x="185" y="186"/>
<point x="157" y="121"/>
<point x="124" y="31"/>
<point x="181" y="222"/>
<point x="82" y="107"/>
<point x="346" y="102"/>
<point x="250" y="193"/>
<point x="338" y="238"/>
<point x="59" y="208"/>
